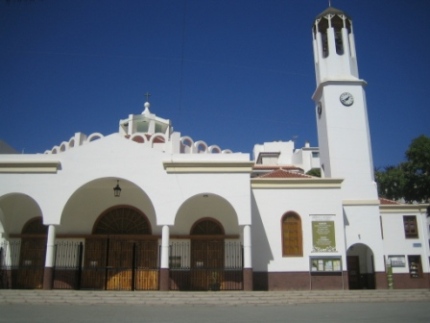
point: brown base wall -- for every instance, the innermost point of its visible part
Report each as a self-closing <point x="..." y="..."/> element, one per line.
<point x="404" y="281"/>
<point x="164" y="279"/>
<point x="48" y="275"/>
<point x="247" y="279"/>
<point x="299" y="281"/>
<point x="304" y="281"/>
<point x="381" y="280"/>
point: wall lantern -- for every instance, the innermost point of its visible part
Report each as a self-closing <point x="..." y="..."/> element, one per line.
<point x="117" y="189"/>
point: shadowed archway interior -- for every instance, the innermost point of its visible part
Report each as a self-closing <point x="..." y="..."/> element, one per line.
<point x="122" y="220"/>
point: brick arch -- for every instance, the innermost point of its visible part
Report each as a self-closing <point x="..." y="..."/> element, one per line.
<point x="122" y="220"/>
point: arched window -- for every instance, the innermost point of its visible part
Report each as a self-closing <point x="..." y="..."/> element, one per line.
<point x="292" y="245"/>
<point x="337" y="24"/>
<point x="122" y="220"/>
<point x="323" y="29"/>
<point x="207" y="227"/>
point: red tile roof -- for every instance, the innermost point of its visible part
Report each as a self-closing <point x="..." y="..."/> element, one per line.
<point x="282" y="173"/>
<point x="385" y="201"/>
<point x="285" y="167"/>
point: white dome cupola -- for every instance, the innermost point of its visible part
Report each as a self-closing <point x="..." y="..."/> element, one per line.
<point x="334" y="47"/>
<point x="145" y="123"/>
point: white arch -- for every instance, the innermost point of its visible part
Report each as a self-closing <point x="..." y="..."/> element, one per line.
<point x="63" y="146"/>
<point x="94" y="136"/>
<point x="214" y="149"/>
<point x="72" y="142"/>
<point x="206" y="205"/>
<point x="138" y="135"/>
<point x="100" y="188"/>
<point x="187" y="144"/>
<point x="199" y="144"/>
<point x="157" y="135"/>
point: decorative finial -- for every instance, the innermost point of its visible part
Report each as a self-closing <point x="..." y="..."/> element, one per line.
<point x="329" y="3"/>
<point x="147" y="94"/>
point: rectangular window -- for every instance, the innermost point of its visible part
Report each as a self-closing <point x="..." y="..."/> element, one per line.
<point x="397" y="261"/>
<point x="410" y="224"/>
<point x="415" y="268"/>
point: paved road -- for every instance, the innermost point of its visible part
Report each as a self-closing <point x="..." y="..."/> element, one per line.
<point x="409" y="312"/>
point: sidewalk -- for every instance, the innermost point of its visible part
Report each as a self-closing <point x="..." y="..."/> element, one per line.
<point x="154" y="298"/>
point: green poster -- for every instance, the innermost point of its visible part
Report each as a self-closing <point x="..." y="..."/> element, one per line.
<point x="323" y="236"/>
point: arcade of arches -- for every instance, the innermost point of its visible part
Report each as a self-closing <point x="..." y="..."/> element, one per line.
<point x="123" y="254"/>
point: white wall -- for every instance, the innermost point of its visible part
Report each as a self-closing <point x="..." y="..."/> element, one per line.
<point x="395" y="242"/>
<point x="271" y="204"/>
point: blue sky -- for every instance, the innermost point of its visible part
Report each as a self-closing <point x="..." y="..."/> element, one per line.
<point x="232" y="73"/>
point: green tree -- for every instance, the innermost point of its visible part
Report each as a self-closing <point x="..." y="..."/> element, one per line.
<point x="417" y="169"/>
<point x="316" y="172"/>
<point x="409" y="180"/>
<point x="391" y="182"/>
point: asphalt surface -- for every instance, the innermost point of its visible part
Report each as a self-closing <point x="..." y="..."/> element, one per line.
<point x="321" y="312"/>
<point x="385" y="306"/>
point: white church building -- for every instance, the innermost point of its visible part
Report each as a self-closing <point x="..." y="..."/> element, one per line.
<point x="176" y="214"/>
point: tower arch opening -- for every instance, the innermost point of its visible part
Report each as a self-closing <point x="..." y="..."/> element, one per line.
<point x="323" y="30"/>
<point x="360" y="265"/>
<point x="337" y="25"/>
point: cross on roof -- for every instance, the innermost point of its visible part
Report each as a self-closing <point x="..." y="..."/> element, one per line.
<point x="147" y="94"/>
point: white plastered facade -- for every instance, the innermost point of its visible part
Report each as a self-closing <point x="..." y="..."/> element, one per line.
<point x="176" y="181"/>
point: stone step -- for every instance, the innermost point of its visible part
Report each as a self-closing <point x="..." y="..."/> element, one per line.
<point x="209" y="298"/>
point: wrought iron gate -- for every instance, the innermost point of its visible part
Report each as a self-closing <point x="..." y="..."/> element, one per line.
<point x="68" y="265"/>
<point x="120" y="264"/>
<point x="102" y="263"/>
<point x="22" y="263"/>
<point x="206" y="264"/>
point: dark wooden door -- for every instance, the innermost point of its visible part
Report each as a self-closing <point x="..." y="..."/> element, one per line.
<point x="353" y="264"/>
<point x="119" y="270"/>
<point x="146" y="265"/>
<point x="120" y="263"/>
<point x="94" y="269"/>
<point x="31" y="263"/>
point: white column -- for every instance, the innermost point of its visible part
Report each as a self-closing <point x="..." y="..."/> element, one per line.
<point x="50" y="247"/>
<point x="165" y="247"/>
<point x="247" y="250"/>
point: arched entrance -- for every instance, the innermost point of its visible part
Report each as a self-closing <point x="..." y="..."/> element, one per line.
<point x="32" y="255"/>
<point x="121" y="254"/>
<point x="23" y="242"/>
<point x="360" y="264"/>
<point x="206" y="259"/>
<point x="207" y="254"/>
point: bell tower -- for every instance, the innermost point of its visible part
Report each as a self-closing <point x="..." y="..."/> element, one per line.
<point x="341" y="111"/>
<point x="344" y="139"/>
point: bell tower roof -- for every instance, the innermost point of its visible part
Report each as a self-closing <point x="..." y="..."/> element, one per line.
<point x="332" y="11"/>
<point x="334" y="46"/>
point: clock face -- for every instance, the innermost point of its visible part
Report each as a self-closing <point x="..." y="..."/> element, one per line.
<point x="347" y="99"/>
<point x="319" y="110"/>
